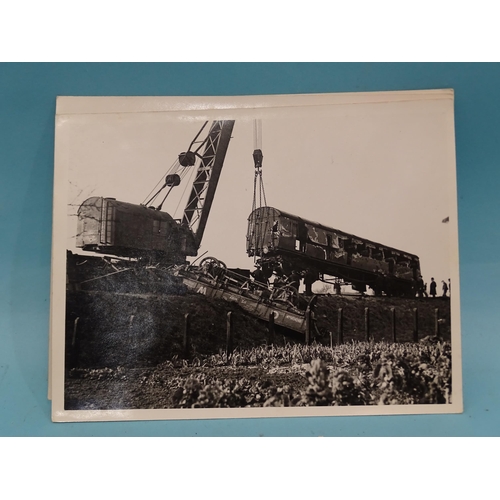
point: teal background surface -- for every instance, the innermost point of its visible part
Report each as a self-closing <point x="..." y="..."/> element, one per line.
<point x="27" y="107"/>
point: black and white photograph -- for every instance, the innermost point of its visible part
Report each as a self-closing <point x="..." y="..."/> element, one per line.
<point x="255" y="256"/>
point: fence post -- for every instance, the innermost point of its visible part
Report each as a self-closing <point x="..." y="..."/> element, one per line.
<point x="131" y="326"/>
<point x="75" y="327"/>
<point x="393" y="323"/>
<point x="367" y="323"/>
<point x="73" y="356"/>
<point x="229" y="334"/>
<point x="340" y="327"/>
<point x="308" y="326"/>
<point x="415" y="324"/>
<point x="270" y="328"/>
<point x="436" y="322"/>
<point x="186" y="334"/>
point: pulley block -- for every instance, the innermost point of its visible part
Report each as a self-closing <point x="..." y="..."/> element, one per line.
<point x="187" y="159"/>
<point x="172" y="180"/>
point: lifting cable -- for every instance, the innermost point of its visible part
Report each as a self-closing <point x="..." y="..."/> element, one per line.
<point x="150" y="198"/>
<point x="259" y="194"/>
<point x="175" y="169"/>
<point x="182" y="175"/>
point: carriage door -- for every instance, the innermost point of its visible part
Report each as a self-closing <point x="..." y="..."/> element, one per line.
<point x="301" y="236"/>
<point x="348" y="247"/>
<point x="107" y="222"/>
<point x="329" y="245"/>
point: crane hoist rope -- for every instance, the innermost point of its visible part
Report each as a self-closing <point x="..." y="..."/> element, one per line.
<point x="259" y="194"/>
<point x="177" y="171"/>
<point x="150" y="197"/>
<point x="258" y="184"/>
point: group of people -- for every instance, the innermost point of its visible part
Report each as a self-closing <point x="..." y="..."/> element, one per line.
<point x="422" y="288"/>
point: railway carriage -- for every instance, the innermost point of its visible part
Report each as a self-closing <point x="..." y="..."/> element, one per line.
<point x="305" y="246"/>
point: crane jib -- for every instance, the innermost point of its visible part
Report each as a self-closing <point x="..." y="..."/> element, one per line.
<point x="207" y="177"/>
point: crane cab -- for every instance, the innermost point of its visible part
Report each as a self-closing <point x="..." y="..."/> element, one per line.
<point x="114" y="227"/>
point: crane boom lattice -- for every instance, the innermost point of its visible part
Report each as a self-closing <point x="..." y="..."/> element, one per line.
<point x="207" y="176"/>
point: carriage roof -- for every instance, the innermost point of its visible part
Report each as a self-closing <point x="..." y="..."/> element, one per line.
<point x="129" y="208"/>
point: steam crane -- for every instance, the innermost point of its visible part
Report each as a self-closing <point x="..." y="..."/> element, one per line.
<point x="113" y="227"/>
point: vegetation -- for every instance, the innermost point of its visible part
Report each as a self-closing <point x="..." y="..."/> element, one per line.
<point x="351" y="374"/>
<point x="358" y="373"/>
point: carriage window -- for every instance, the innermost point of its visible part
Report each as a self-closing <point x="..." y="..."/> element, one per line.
<point x="333" y="241"/>
<point x="156" y="226"/>
<point x="363" y="250"/>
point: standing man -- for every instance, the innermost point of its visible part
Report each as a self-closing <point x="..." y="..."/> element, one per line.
<point x="421" y="288"/>
<point x="309" y="278"/>
<point x="445" y="288"/>
<point x="294" y="280"/>
<point x="432" y="288"/>
<point x="259" y="276"/>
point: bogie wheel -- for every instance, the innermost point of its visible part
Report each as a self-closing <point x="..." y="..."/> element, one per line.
<point x="213" y="266"/>
<point x="212" y="262"/>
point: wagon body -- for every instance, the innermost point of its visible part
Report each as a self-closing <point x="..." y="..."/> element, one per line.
<point x="303" y="245"/>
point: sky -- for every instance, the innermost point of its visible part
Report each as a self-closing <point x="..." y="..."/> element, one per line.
<point x="384" y="171"/>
